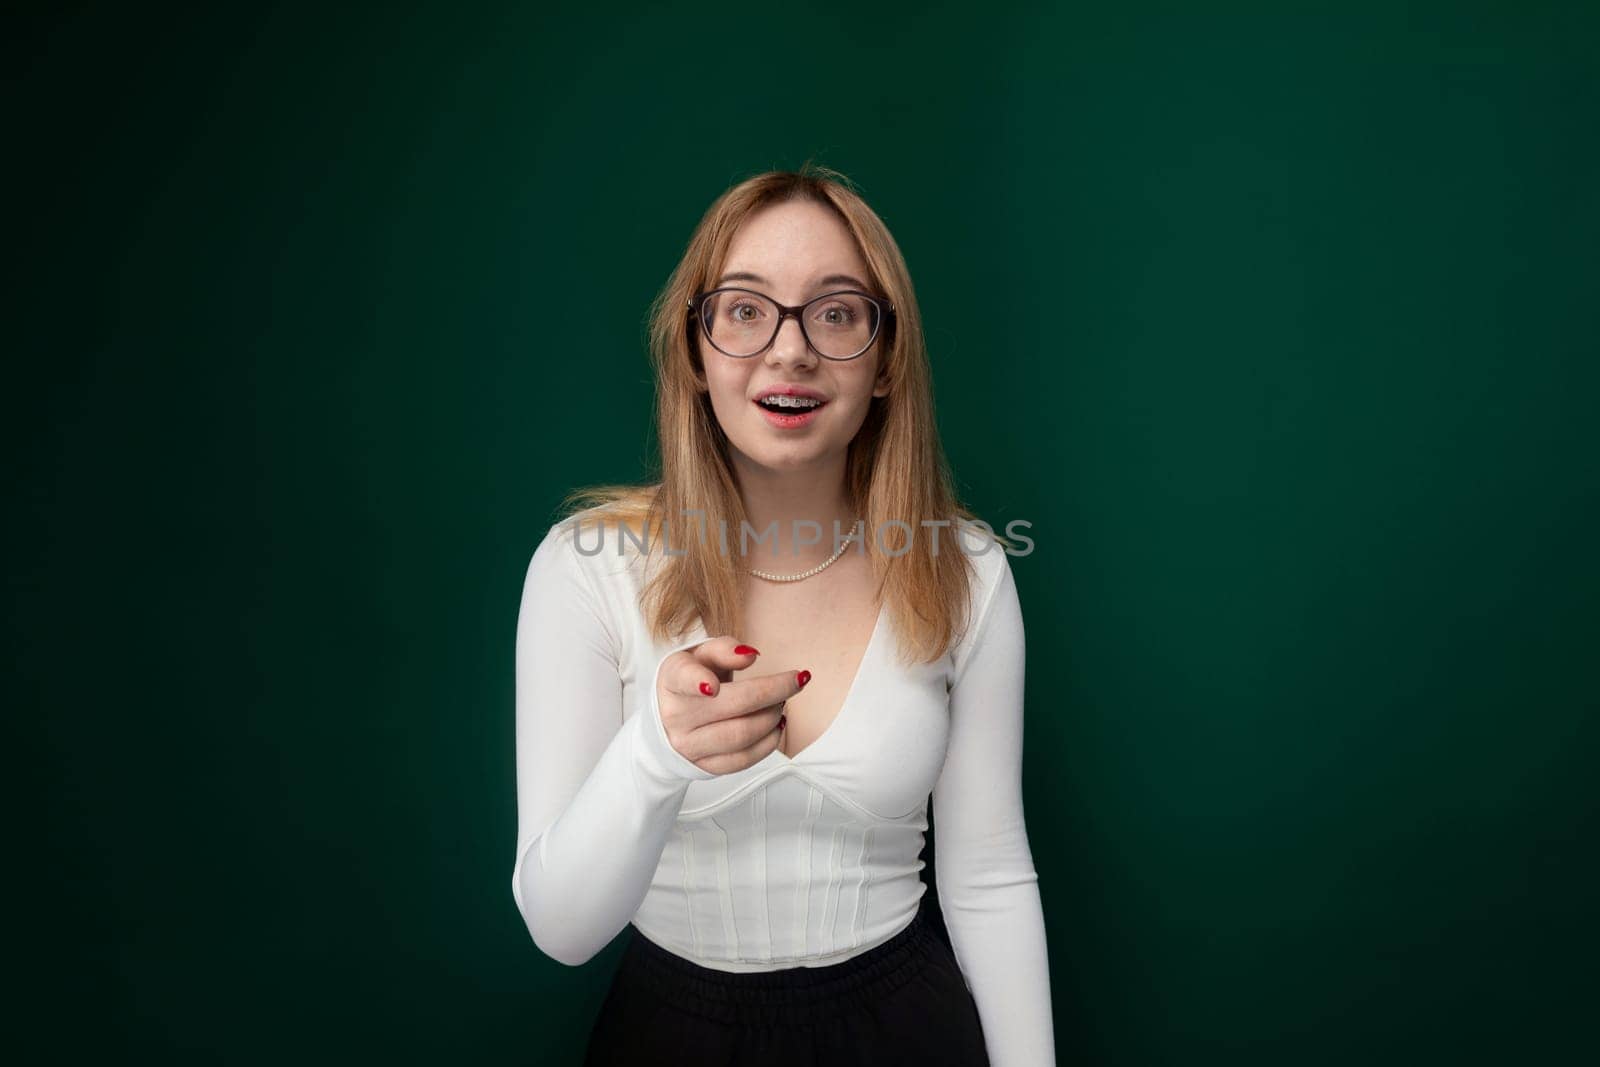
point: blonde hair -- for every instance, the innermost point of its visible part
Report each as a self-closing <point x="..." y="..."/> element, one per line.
<point x="895" y="467"/>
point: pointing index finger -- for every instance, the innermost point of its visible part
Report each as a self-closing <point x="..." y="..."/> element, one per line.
<point x="753" y="694"/>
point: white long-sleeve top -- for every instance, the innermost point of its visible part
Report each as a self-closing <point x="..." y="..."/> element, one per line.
<point x="803" y="861"/>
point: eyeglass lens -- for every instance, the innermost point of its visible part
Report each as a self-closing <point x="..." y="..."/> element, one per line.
<point x="740" y="323"/>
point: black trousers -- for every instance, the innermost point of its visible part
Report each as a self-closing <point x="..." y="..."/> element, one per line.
<point x="903" y="1002"/>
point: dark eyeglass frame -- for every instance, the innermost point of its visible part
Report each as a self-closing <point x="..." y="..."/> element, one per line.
<point x="885" y="314"/>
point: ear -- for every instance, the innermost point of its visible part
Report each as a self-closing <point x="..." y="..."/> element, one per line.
<point x="880" y="387"/>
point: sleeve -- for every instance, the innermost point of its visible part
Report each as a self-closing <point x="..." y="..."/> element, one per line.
<point x="988" y="888"/>
<point x="596" y="795"/>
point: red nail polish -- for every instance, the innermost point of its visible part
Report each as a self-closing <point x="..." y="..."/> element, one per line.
<point x="745" y="650"/>
<point x="803" y="678"/>
<point x="705" y="687"/>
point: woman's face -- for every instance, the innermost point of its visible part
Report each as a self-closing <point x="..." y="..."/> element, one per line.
<point x="793" y="252"/>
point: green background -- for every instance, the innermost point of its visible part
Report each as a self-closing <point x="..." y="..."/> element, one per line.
<point x="1279" y="326"/>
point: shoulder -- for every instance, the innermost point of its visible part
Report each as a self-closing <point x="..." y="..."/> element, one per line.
<point x="569" y="548"/>
<point x="558" y="546"/>
<point x="991" y="589"/>
<point x="989" y="566"/>
<point x="595" y="544"/>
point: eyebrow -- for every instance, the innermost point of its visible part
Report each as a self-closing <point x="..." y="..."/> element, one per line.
<point x="831" y="279"/>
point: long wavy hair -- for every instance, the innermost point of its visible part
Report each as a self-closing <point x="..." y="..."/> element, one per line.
<point x="895" y="467"/>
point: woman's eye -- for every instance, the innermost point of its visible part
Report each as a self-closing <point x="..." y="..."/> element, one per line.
<point x="737" y="311"/>
<point x="836" y="316"/>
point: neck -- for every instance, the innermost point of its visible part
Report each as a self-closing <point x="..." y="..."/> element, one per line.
<point x="787" y="502"/>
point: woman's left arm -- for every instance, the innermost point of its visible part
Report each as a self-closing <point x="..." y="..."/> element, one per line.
<point x="988" y="888"/>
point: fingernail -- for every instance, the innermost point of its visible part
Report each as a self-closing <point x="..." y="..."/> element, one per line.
<point x="744" y="650"/>
<point x="705" y="687"/>
<point x="782" y="719"/>
<point x="803" y="677"/>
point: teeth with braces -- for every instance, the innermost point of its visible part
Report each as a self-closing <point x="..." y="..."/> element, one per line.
<point x="792" y="401"/>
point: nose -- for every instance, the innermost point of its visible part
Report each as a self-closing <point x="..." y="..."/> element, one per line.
<point x="790" y="345"/>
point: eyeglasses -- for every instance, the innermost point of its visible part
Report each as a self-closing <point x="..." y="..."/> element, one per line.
<point x="742" y="322"/>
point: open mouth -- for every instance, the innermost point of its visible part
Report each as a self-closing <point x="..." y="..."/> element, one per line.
<point x="790" y="405"/>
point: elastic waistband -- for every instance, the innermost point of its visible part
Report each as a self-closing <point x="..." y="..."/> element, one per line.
<point x="790" y="995"/>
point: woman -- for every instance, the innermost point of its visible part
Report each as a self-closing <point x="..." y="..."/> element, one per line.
<point x="729" y="743"/>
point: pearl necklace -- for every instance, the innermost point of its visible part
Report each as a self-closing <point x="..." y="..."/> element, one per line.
<point x="818" y="569"/>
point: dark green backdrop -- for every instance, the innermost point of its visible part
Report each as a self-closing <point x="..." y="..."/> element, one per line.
<point x="1280" y="328"/>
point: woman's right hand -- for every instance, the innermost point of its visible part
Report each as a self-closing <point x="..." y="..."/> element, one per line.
<point x="720" y="725"/>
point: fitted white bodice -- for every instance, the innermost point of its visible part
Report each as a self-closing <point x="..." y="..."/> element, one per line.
<point x="795" y="861"/>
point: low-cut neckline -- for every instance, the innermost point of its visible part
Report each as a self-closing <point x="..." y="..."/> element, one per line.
<point x="782" y="757"/>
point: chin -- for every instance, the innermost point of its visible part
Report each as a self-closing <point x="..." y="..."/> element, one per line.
<point x="779" y="456"/>
<point x="786" y="459"/>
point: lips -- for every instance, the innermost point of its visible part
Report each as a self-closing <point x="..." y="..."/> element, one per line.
<point x="789" y="407"/>
<point x="787" y="417"/>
